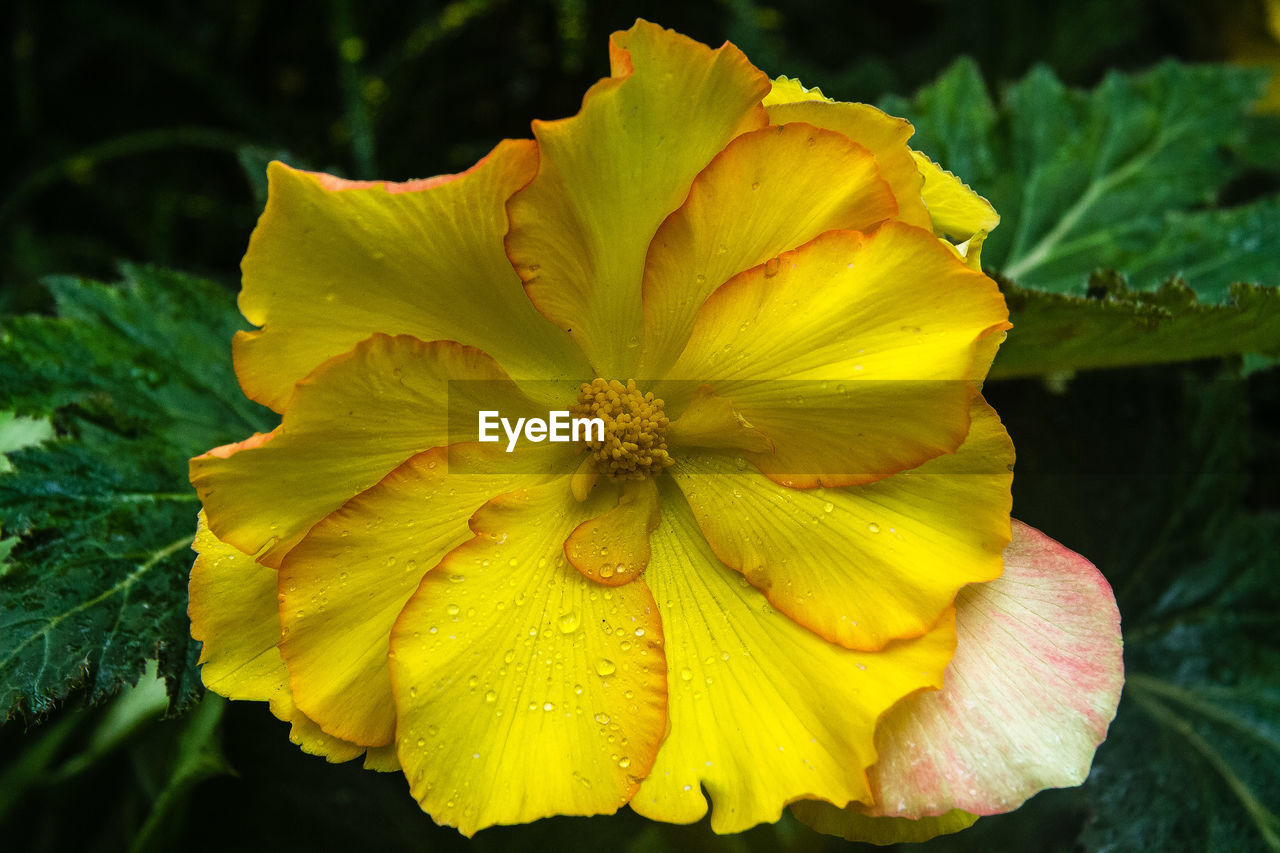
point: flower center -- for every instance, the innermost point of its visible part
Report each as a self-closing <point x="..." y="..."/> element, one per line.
<point x="634" y="446"/>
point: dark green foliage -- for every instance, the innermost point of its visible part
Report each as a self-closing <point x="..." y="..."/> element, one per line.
<point x="1194" y="761"/>
<point x="136" y="378"/>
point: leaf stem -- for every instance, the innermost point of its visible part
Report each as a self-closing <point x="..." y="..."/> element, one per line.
<point x="1267" y="822"/>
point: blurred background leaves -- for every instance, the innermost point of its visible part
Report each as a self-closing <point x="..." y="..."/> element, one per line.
<point x="138" y="132"/>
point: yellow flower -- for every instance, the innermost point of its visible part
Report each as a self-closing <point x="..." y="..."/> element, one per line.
<point x="775" y="309"/>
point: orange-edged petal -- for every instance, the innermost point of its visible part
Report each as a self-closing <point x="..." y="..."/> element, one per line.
<point x="853" y="826"/>
<point x="234" y="615"/>
<point x="350" y="423"/>
<point x="343" y="586"/>
<point x="769" y="191"/>
<point x="763" y="711"/>
<point x="853" y="354"/>
<point x="613" y="548"/>
<point x="522" y="688"/>
<point x="332" y="262"/>
<point x="609" y="176"/>
<point x="863" y="565"/>
<point x="878" y="132"/>
<point x="1033" y="686"/>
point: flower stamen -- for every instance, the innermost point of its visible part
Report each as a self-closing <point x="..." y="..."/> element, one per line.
<point x="635" y="425"/>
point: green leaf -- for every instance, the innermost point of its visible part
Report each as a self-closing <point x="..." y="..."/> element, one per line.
<point x="1192" y="762"/>
<point x="136" y="378"/>
<point x="1128" y="181"/>
<point x="1115" y="326"/>
<point x="1202" y="705"/>
<point x="198" y="757"/>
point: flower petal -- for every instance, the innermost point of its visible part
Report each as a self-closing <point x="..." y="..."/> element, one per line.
<point x="787" y="90"/>
<point x="957" y="211"/>
<point x="350" y="423"/>
<point x="1029" y="695"/>
<point x="783" y="186"/>
<point x="332" y="262"/>
<point x="710" y="421"/>
<point x="864" y="565"/>
<point x="870" y="376"/>
<point x="522" y="688"/>
<point x="853" y="826"/>
<point x="234" y="614"/>
<point x="609" y="176"/>
<point x="342" y="587"/>
<point x="613" y="548"/>
<point x="878" y="132"/>
<point x="762" y="710"/>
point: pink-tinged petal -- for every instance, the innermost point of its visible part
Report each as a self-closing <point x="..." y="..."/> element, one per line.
<point x="1027" y="698"/>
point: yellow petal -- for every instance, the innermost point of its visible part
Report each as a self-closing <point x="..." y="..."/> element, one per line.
<point x="609" y="176"/>
<point x="712" y="422"/>
<point x="332" y="262"/>
<point x="351" y="422"/>
<point x="985" y="352"/>
<point x="853" y="826"/>
<point x="853" y="354"/>
<point x="786" y="90"/>
<point x="522" y="688"/>
<point x="762" y="711"/>
<point x="232" y="605"/>
<point x="234" y="614"/>
<point x="864" y="565"/>
<point x="880" y="133"/>
<point x="769" y="191"/>
<point x="957" y="211"/>
<point x="343" y="586"/>
<point x="613" y="548"/>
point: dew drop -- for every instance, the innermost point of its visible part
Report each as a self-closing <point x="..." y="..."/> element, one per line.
<point x="873" y="527"/>
<point x="491" y="697"/>
<point x="604" y="666"/>
<point x="569" y="622"/>
<point x="602" y="719"/>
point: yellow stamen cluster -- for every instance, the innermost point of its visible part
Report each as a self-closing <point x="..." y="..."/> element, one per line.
<point x="634" y="446"/>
